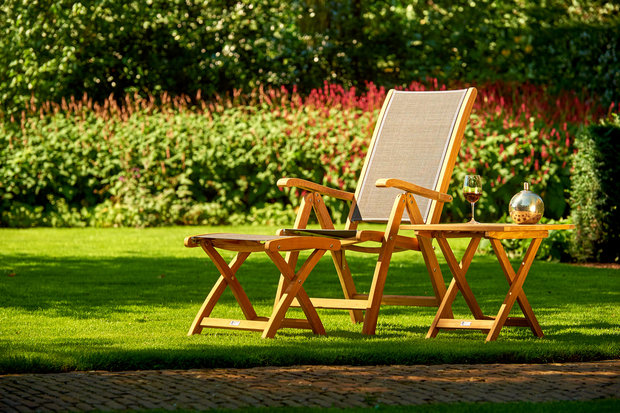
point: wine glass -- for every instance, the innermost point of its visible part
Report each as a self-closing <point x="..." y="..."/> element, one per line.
<point x="472" y="189"/>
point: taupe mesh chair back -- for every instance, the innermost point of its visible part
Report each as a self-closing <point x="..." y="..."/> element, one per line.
<point x="417" y="138"/>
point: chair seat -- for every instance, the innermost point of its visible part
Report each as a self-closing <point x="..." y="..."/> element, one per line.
<point x="235" y="237"/>
<point x="349" y="238"/>
<point x="256" y="242"/>
<point x="332" y="233"/>
<point x="233" y="242"/>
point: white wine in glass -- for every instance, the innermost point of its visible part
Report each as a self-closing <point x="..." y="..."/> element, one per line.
<point x="472" y="190"/>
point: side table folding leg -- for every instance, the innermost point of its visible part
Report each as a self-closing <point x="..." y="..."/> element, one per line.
<point x="292" y="281"/>
<point x="488" y="324"/>
<point x="459" y="283"/>
<point x="515" y="292"/>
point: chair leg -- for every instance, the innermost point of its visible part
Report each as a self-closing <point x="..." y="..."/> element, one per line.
<point x="294" y="288"/>
<point x="518" y="278"/>
<point x="428" y="253"/>
<point x="340" y="262"/>
<point x="459" y="270"/>
<point x="227" y="277"/>
<point x="301" y="220"/>
<point x="291" y="258"/>
<point x="432" y="266"/>
<point x="346" y="282"/>
<point x="445" y="309"/>
<point x="207" y="305"/>
<point x="231" y="279"/>
<point x="381" y="268"/>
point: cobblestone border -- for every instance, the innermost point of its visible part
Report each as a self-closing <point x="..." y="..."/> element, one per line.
<point x="310" y="386"/>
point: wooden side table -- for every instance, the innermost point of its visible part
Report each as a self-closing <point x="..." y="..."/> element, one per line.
<point x="494" y="233"/>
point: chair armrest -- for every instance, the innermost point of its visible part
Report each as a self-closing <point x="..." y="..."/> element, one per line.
<point x="314" y="187"/>
<point x="414" y="189"/>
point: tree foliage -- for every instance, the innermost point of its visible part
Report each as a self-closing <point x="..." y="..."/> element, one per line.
<point x="50" y="49"/>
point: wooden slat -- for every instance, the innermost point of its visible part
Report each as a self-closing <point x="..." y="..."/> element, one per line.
<point x="301" y="323"/>
<point x="302" y="243"/>
<point x="365" y="250"/>
<point x="466" y="324"/>
<point x="227" y="323"/>
<point x="516" y="234"/>
<point x="254" y="243"/>
<point x="485" y="324"/>
<point x="359" y="302"/>
<point x="257" y="324"/>
<point x="516" y="322"/>
<point x="337" y="303"/>
<point x="377" y="236"/>
<point x="448" y="234"/>
<point x="238" y="246"/>
<point x="404" y="300"/>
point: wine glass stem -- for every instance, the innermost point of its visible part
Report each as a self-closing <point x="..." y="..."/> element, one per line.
<point x="472" y="211"/>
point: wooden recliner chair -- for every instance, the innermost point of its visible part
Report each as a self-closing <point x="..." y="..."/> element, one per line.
<point x="408" y="168"/>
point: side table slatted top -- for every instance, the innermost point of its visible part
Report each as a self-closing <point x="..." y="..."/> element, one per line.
<point x="484" y="227"/>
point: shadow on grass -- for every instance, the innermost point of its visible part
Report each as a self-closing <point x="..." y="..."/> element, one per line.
<point x="576" y="307"/>
<point x="85" y="288"/>
<point x="77" y="286"/>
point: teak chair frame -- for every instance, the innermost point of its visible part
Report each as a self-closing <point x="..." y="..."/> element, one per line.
<point x="365" y="307"/>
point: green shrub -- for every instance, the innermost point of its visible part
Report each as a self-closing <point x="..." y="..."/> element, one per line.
<point x="214" y="162"/>
<point x="144" y="165"/>
<point x="595" y="193"/>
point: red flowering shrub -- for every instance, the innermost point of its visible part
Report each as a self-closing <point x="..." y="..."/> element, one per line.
<point x="193" y="161"/>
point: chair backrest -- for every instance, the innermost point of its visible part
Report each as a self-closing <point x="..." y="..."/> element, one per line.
<point x="417" y="139"/>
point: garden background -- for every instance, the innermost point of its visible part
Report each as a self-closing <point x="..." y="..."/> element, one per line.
<point x="161" y="113"/>
<point x="148" y="113"/>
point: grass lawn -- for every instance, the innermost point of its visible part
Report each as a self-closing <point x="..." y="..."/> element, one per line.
<point x="119" y="299"/>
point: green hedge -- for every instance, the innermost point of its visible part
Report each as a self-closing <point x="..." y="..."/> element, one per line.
<point x="595" y="193"/>
<point x="52" y="49"/>
<point x="144" y="164"/>
<point x="156" y="165"/>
